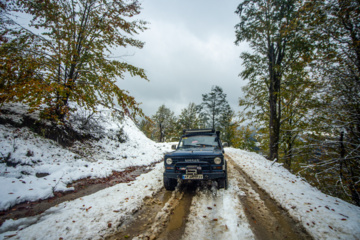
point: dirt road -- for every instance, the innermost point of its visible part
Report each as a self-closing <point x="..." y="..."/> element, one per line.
<point x="200" y="211"/>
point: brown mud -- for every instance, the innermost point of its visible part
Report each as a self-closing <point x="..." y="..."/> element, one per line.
<point x="82" y="187"/>
<point x="175" y="228"/>
<point x="266" y="218"/>
<point x="161" y="217"/>
<point x="165" y="215"/>
<point x="143" y="218"/>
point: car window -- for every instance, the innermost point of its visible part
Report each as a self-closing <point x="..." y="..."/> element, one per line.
<point x="199" y="141"/>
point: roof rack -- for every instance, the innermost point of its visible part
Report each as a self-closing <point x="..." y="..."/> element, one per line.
<point x="205" y="130"/>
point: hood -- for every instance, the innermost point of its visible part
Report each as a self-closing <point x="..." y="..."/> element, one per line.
<point x="195" y="152"/>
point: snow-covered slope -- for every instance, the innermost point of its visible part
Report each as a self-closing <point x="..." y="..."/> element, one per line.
<point x="89" y="217"/>
<point x="33" y="167"/>
<point x="94" y="216"/>
<point x="323" y="216"/>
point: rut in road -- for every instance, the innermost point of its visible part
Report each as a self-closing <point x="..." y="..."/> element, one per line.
<point x="217" y="214"/>
<point x="155" y="219"/>
<point x="267" y="219"/>
<point x="200" y="211"/>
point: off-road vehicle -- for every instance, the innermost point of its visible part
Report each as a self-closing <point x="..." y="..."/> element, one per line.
<point x="199" y="156"/>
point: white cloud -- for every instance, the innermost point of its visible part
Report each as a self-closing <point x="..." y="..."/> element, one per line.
<point x="185" y="55"/>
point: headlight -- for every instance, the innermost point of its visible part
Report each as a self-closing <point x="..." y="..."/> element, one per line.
<point x="169" y="161"/>
<point x="217" y="160"/>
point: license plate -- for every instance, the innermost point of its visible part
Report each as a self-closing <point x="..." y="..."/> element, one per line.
<point x="196" y="176"/>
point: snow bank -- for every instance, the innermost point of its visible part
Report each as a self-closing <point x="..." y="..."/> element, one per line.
<point x="323" y="216"/>
<point x="34" y="167"/>
<point x="89" y="217"/>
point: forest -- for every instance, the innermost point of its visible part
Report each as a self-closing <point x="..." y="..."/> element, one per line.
<point x="301" y="105"/>
<point x="304" y="85"/>
<point x="302" y="102"/>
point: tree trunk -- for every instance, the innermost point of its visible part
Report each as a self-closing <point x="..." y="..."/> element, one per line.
<point x="161" y="133"/>
<point x="274" y="127"/>
<point x="289" y="139"/>
<point x="274" y="102"/>
<point x="349" y="176"/>
<point x="213" y="115"/>
<point x="288" y="150"/>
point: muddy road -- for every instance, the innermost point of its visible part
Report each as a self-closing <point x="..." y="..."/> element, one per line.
<point x="200" y="211"/>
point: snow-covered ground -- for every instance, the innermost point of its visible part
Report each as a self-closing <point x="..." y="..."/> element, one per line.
<point x="96" y="215"/>
<point x="323" y="216"/>
<point x="89" y="217"/>
<point x="36" y="157"/>
<point x="221" y="215"/>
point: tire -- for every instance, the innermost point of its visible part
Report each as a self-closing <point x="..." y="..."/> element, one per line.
<point x="170" y="183"/>
<point x="223" y="182"/>
<point x="226" y="182"/>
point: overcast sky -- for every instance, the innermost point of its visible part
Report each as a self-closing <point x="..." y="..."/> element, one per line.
<point x="189" y="47"/>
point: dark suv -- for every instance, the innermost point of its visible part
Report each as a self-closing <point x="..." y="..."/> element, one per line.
<point x="198" y="156"/>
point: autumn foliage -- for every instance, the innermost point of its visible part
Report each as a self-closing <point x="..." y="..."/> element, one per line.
<point x="64" y="54"/>
<point x="303" y="87"/>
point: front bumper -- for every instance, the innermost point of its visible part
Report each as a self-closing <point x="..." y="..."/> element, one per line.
<point x="199" y="171"/>
<point x="206" y="176"/>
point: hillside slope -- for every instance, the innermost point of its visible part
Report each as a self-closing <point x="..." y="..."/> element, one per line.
<point x="323" y="216"/>
<point x="34" y="167"/>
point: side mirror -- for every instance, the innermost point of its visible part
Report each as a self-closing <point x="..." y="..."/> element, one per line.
<point x="173" y="147"/>
<point x="225" y="144"/>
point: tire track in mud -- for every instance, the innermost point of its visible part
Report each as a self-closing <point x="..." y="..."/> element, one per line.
<point x="175" y="227"/>
<point x="200" y="211"/>
<point x="192" y="211"/>
<point x="82" y="187"/>
<point x="267" y="219"/>
<point x="161" y="217"/>
<point x="217" y="214"/>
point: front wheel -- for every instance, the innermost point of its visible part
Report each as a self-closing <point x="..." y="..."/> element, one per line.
<point x="223" y="183"/>
<point x="170" y="183"/>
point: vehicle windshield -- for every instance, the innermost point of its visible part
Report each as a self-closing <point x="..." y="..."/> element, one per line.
<point x="198" y="142"/>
